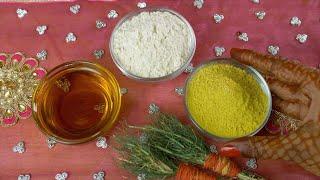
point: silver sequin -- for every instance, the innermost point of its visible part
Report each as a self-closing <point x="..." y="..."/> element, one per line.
<point x="100" y="24"/>
<point x="70" y="37"/>
<point x="260" y="15"/>
<point x="98" y="176"/>
<point x="61" y="176"/>
<point x="252" y="163"/>
<point x="75" y="9"/>
<point x="243" y="37"/>
<point x="141" y="177"/>
<point x="123" y="91"/>
<point x="112" y="14"/>
<point x="295" y="21"/>
<point x="142" y="5"/>
<point x="302" y="38"/>
<point x="21" y="13"/>
<point x="189" y="68"/>
<point x="41" y="29"/>
<point x="255" y="1"/>
<point x="19" y="148"/>
<point x="179" y="91"/>
<point x="102" y="142"/>
<point x="143" y="138"/>
<point x="213" y="149"/>
<point x="42" y="55"/>
<point x="218" y="18"/>
<point x="219" y="50"/>
<point x="153" y="108"/>
<point x="24" y="177"/>
<point x="51" y="143"/>
<point x="274" y="50"/>
<point x="198" y="3"/>
<point x="98" y="54"/>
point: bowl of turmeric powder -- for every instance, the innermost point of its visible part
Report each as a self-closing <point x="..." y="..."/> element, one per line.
<point x="227" y="100"/>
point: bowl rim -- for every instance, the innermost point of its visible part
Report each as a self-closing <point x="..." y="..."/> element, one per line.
<point x="249" y="69"/>
<point x="170" y="76"/>
<point x="80" y="140"/>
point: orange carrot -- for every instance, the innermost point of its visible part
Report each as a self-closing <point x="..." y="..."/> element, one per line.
<point x="188" y="172"/>
<point x="221" y="165"/>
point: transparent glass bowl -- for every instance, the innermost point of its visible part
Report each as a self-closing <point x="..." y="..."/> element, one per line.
<point x="174" y="74"/>
<point x="47" y="106"/>
<point x="257" y="76"/>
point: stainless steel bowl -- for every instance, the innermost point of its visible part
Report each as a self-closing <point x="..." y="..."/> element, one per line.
<point x="250" y="70"/>
<point x="174" y="74"/>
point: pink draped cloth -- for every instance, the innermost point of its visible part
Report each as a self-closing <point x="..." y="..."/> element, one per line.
<point x="81" y="161"/>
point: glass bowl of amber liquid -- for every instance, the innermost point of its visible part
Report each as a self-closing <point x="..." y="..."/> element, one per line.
<point x="76" y="102"/>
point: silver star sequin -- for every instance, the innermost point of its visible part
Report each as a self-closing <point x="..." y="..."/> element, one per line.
<point x="260" y="15"/>
<point x="98" y="176"/>
<point x="252" y="163"/>
<point x="100" y="24"/>
<point x="189" y="68"/>
<point x="295" y="21"/>
<point x="218" y="18"/>
<point x="141" y="177"/>
<point x="255" y="1"/>
<point x="75" y="9"/>
<point x="243" y="36"/>
<point x="21" y="13"/>
<point x="42" y="55"/>
<point x="179" y="91"/>
<point x="142" y="5"/>
<point x="112" y="14"/>
<point x="198" y="3"/>
<point x="213" y="149"/>
<point x="51" y="143"/>
<point x="302" y="38"/>
<point x="98" y="54"/>
<point x="102" y="143"/>
<point x="19" y="148"/>
<point x="153" y="108"/>
<point x="123" y="91"/>
<point x="61" y="176"/>
<point x="41" y="29"/>
<point x="274" y="50"/>
<point x="219" y="50"/>
<point x="24" y="177"/>
<point x="71" y="37"/>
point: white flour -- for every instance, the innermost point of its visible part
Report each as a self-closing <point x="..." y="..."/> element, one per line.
<point x="152" y="44"/>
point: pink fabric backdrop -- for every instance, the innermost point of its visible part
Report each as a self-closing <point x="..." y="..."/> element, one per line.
<point x="81" y="161"/>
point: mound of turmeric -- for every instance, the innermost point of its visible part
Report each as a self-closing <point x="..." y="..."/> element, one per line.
<point x="226" y="101"/>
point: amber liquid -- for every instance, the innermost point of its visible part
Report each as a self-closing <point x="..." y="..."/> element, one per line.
<point x="78" y="104"/>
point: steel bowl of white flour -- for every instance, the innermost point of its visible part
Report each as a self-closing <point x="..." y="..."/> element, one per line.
<point x="152" y="44"/>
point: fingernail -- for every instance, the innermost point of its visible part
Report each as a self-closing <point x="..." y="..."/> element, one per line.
<point x="230" y="151"/>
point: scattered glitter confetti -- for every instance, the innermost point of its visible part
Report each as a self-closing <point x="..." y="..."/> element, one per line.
<point x="98" y="54"/>
<point x="255" y="1"/>
<point x="70" y="37"/>
<point x="100" y="24"/>
<point x="123" y="91"/>
<point x="142" y="5"/>
<point x="218" y="18"/>
<point x="189" y="68"/>
<point x="21" y="13"/>
<point x="143" y="138"/>
<point x="260" y="15"/>
<point x="102" y="142"/>
<point x="198" y="3"/>
<point x="112" y="14"/>
<point x="153" y="108"/>
<point x="51" y="143"/>
<point x="243" y="36"/>
<point x="213" y="149"/>
<point x="24" y="177"/>
<point x="295" y="21"/>
<point x="19" y="148"/>
<point x="41" y="29"/>
<point x="98" y="176"/>
<point x="219" y="50"/>
<point x="42" y="55"/>
<point x="75" y="9"/>
<point x="179" y="91"/>
<point x="141" y="177"/>
<point x="274" y="50"/>
<point x="61" y="176"/>
<point x="302" y="38"/>
<point x="252" y="163"/>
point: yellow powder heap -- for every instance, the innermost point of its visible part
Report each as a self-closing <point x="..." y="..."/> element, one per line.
<point x="226" y="101"/>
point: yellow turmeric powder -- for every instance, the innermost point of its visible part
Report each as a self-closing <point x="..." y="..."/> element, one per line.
<point x="226" y="101"/>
